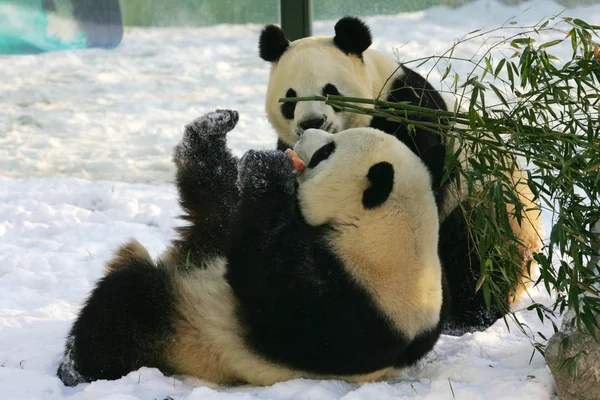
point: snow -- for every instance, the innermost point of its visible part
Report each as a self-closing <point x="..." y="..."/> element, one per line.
<point x="86" y="140"/>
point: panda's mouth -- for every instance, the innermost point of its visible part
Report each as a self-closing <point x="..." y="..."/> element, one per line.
<point x="331" y="128"/>
<point x="311" y="141"/>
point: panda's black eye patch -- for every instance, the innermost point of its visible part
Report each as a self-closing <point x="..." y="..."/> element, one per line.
<point x="287" y="109"/>
<point x="322" y="154"/>
<point x="331" y="90"/>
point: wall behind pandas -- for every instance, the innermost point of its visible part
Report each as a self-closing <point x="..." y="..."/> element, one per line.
<point x="210" y="12"/>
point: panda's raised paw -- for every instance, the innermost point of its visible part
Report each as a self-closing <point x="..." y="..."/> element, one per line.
<point x="218" y="122"/>
<point x="205" y="137"/>
<point x="266" y="168"/>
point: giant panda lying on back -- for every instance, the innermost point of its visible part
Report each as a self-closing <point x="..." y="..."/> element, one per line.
<point x="344" y="64"/>
<point x="328" y="273"/>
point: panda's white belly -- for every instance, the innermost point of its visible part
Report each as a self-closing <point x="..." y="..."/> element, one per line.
<point x="208" y="341"/>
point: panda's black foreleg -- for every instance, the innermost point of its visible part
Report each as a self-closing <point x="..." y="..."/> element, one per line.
<point x="268" y="187"/>
<point x="265" y="235"/>
<point x="207" y="184"/>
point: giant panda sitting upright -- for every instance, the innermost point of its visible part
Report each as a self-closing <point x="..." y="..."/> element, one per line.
<point x="327" y="273"/>
<point x="344" y="64"/>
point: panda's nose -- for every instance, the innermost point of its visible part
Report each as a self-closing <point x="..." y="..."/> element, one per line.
<point x="314" y="123"/>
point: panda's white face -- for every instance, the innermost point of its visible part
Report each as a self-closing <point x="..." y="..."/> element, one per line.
<point x="314" y="66"/>
<point x="357" y="171"/>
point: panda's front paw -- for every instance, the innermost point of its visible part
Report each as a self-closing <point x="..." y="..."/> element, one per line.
<point x="259" y="170"/>
<point x="205" y="136"/>
<point x="250" y="166"/>
<point x="218" y="122"/>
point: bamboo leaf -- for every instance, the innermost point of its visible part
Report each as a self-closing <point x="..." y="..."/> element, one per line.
<point x="523" y="41"/>
<point x="511" y="77"/>
<point x="582" y="24"/>
<point x="479" y="283"/>
<point x="488" y="67"/>
<point x="487" y="295"/>
<point x="499" y="67"/>
<point x="447" y="71"/>
<point x="550" y="43"/>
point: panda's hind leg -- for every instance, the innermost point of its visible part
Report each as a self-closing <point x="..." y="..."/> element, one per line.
<point x="461" y="266"/>
<point x="127" y="254"/>
<point x="124" y="325"/>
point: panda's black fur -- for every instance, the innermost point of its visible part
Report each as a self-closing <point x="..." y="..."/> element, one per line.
<point x="272" y="290"/>
<point x="124" y="324"/>
<point x="413" y="88"/>
<point x="345" y="62"/>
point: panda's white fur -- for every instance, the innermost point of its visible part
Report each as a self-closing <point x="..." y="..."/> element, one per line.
<point x="337" y="248"/>
<point x="311" y="66"/>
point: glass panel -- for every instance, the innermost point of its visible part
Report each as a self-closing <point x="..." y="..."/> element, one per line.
<point x="334" y="9"/>
<point x="199" y="13"/>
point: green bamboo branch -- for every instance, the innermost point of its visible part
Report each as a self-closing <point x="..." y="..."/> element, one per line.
<point x="410" y="109"/>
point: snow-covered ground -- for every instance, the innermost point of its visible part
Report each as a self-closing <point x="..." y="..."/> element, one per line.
<point x="85" y="146"/>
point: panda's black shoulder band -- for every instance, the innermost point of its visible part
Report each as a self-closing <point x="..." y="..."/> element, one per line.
<point x="272" y="43"/>
<point x="352" y="36"/>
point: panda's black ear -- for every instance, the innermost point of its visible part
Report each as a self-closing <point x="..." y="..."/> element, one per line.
<point x="352" y="36"/>
<point x="434" y="158"/>
<point x="272" y="43"/>
<point x="381" y="176"/>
